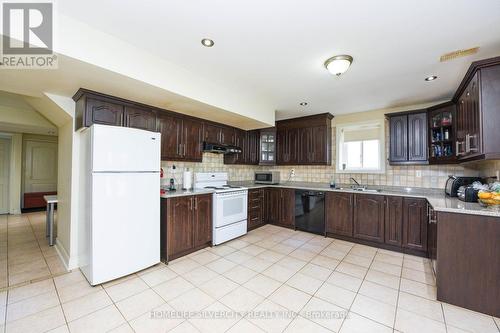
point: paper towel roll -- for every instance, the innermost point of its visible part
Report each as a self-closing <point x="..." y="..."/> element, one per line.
<point x="187" y="180"/>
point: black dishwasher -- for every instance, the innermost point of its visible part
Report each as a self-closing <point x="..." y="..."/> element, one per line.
<point x="310" y="211"/>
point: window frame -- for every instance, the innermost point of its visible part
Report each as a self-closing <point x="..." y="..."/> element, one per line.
<point x="339" y="143"/>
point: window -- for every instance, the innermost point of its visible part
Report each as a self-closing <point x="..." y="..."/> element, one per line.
<point x="360" y="147"/>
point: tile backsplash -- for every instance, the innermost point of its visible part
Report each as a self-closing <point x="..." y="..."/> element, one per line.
<point x="427" y="176"/>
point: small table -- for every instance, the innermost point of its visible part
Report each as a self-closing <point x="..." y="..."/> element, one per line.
<point x="49" y="222"/>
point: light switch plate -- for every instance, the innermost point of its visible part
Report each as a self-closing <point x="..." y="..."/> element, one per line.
<point x="418" y="173"/>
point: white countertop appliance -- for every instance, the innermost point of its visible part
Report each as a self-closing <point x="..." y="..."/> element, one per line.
<point x="230" y="206"/>
<point x="267" y="177"/>
<point x="119" y="213"/>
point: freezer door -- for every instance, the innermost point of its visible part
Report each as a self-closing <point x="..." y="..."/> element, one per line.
<point x="125" y="228"/>
<point x="122" y="149"/>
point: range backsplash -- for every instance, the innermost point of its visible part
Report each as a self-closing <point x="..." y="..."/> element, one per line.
<point x="432" y="176"/>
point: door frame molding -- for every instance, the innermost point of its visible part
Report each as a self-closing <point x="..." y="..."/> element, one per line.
<point x="8" y="137"/>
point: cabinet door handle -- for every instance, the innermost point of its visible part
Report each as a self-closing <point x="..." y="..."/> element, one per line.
<point x="195" y="204"/>
<point x="471" y="137"/>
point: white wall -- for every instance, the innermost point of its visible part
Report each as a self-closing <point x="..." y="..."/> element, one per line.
<point x="18" y="116"/>
<point x="15" y="173"/>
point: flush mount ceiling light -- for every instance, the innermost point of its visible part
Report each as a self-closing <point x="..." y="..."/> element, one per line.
<point x="303" y="103"/>
<point x="431" y="78"/>
<point x="339" y="64"/>
<point x="207" y="42"/>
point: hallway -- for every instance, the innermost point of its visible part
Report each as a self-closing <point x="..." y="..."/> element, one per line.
<point x="25" y="255"/>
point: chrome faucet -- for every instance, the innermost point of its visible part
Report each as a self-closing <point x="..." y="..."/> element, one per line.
<point x="354" y="180"/>
<point x="358" y="186"/>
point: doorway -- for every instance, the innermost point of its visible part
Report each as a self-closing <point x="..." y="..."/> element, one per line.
<point x="4" y="174"/>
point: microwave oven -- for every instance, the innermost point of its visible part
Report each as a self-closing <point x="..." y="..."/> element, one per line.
<point x="267" y="177"/>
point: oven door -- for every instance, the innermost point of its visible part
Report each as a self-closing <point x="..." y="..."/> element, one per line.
<point x="230" y="207"/>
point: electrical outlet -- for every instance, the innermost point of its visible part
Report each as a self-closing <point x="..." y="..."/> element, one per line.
<point x="418" y="173"/>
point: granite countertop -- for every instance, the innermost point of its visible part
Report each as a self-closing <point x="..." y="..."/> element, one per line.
<point x="437" y="199"/>
<point x="181" y="193"/>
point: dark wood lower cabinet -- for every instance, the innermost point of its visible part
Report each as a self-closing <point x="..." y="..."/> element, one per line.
<point x="468" y="269"/>
<point x="415" y="221"/>
<point x="186" y="225"/>
<point x="394" y="220"/>
<point x="391" y="222"/>
<point x="369" y="217"/>
<point x="255" y="208"/>
<point x="339" y="213"/>
<point x="280" y="206"/>
<point x="202" y="220"/>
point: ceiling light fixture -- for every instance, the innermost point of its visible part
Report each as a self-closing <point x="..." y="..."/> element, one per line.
<point x="303" y="103"/>
<point x="431" y="78"/>
<point x="207" y="42"/>
<point x="339" y="64"/>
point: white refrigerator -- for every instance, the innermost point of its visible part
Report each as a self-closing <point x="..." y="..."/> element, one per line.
<point x="119" y="214"/>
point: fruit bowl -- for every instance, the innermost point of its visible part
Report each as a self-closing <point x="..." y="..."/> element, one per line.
<point x="489" y="199"/>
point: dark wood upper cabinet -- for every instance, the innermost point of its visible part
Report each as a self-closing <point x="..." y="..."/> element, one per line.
<point x="393" y="220"/>
<point x="219" y="134"/>
<point x="248" y="141"/>
<point x="252" y="147"/>
<point x="408" y="137"/>
<point x="140" y="118"/>
<point x="477" y="99"/>
<point x="192" y="140"/>
<point x="240" y="140"/>
<point x="417" y="137"/>
<point x="102" y="112"/>
<point x="369" y="217"/>
<point x="398" y="138"/>
<point x="180" y="138"/>
<point x="211" y="133"/>
<point x="280" y="206"/>
<point x="202" y="219"/>
<point x="267" y="146"/>
<point x="304" y="141"/>
<point x="171" y="131"/>
<point x="415" y="221"/>
<point x="186" y="225"/>
<point x="339" y="213"/>
<point x="442" y="133"/>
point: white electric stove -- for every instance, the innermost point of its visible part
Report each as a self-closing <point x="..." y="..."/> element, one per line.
<point x="229" y="206"/>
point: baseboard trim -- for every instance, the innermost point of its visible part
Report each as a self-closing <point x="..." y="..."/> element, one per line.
<point x="69" y="263"/>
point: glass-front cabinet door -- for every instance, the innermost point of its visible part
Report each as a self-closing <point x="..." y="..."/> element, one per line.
<point x="267" y="151"/>
<point x="442" y="147"/>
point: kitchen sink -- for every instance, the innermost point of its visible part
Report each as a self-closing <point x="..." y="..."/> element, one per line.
<point x="359" y="189"/>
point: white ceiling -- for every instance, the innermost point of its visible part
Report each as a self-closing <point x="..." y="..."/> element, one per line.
<point x="276" y="48"/>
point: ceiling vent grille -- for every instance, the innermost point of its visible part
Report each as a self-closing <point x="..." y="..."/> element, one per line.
<point x="458" y="54"/>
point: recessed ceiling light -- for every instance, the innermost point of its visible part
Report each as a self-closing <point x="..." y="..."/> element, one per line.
<point x="431" y="78"/>
<point x="339" y="64"/>
<point x="303" y="103"/>
<point x="207" y="42"/>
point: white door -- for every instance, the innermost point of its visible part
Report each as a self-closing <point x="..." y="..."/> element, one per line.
<point x="40" y="166"/>
<point x="4" y="175"/>
<point x="125" y="229"/>
<point x="122" y="149"/>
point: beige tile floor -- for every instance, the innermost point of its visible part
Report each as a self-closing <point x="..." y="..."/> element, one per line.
<point x="24" y="251"/>
<point x="270" y="280"/>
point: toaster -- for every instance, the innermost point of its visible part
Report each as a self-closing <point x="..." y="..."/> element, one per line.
<point x="453" y="184"/>
<point x="467" y="193"/>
